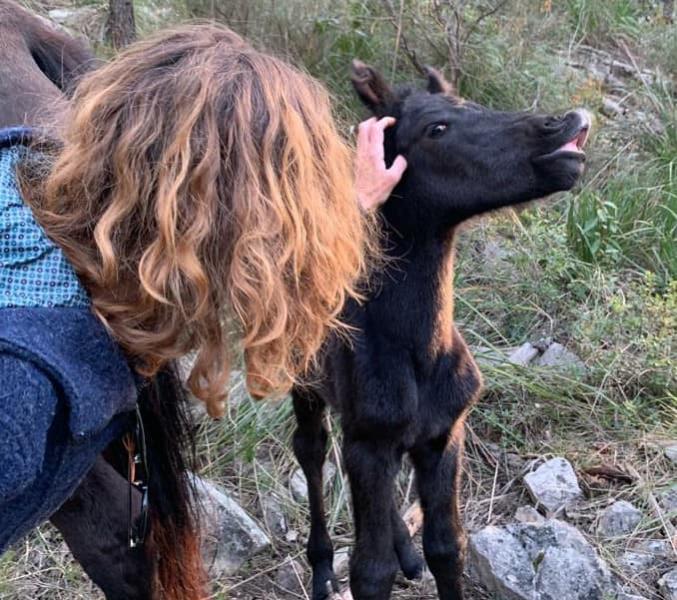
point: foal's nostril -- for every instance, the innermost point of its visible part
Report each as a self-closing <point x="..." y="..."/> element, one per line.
<point x="552" y="122"/>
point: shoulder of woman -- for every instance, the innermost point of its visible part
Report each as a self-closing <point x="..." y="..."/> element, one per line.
<point x="28" y="403"/>
<point x="33" y="270"/>
<point x="76" y="353"/>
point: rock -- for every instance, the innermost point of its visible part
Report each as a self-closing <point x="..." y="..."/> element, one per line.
<point x="553" y="484"/>
<point x="612" y="108"/>
<point x="88" y="21"/>
<point x="528" y="514"/>
<point x="619" y="519"/>
<point x="564" y="575"/>
<point x="502" y="563"/>
<point x="523" y="355"/>
<point x="485" y="356"/>
<point x="539" y="561"/>
<point x="341" y="561"/>
<point x="273" y="516"/>
<point x="637" y="562"/>
<point x="231" y="535"/>
<point x="299" y="485"/>
<point x="624" y="596"/>
<point x="559" y="357"/>
<point x="291" y="536"/>
<point x="290" y="577"/>
<point x="668" y="500"/>
<point x="667" y="585"/>
<point x="660" y="548"/>
<point x="671" y="453"/>
<point x="645" y="556"/>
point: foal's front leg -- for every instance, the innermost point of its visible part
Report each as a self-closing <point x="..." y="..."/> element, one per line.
<point x="438" y="473"/>
<point x="371" y="468"/>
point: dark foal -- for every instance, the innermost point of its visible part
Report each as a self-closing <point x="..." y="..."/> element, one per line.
<point x="407" y="380"/>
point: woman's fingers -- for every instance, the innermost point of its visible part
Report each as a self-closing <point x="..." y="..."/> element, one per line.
<point x="375" y="182"/>
<point x="364" y="131"/>
<point x="398" y="168"/>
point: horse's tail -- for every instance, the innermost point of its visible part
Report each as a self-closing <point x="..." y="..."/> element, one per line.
<point x="173" y="540"/>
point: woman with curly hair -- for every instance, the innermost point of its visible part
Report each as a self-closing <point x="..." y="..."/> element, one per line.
<point x="200" y="200"/>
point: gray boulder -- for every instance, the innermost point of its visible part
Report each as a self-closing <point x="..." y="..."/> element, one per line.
<point x="671" y="453"/>
<point x="341" y="561"/>
<point x="539" y="561"/>
<point x="273" y="515"/>
<point x="645" y="556"/>
<point x="636" y="562"/>
<point x="667" y="585"/>
<point x="502" y="563"/>
<point x="523" y="355"/>
<point x="619" y="519"/>
<point x="528" y="514"/>
<point x="553" y="485"/>
<point x="299" y="485"/>
<point x="566" y="574"/>
<point x="668" y="500"/>
<point x="231" y="536"/>
<point x="559" y="357"/>
<point x="290" y="576"/>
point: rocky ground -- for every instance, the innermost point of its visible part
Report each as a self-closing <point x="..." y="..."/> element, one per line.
<point x="540" y="527"/>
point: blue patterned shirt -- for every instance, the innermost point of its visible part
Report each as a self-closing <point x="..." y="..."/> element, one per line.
<point x="33" y="270"/>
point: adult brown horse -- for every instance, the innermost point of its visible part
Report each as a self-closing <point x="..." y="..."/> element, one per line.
<point x="39" y="67"/>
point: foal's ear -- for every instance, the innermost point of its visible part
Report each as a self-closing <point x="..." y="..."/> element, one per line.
<point x="371" y="87"/>
<point x="437" y="84"/>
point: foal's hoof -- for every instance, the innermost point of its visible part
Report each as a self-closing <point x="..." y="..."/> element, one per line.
<point x="412" y="565"/>
<point x="411" y="562"/>
<point x="324" y="583"/>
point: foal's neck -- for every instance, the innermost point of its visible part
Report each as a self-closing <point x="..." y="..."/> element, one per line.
<point x="419" y="286"/>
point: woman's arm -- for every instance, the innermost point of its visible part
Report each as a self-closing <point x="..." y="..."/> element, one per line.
<point x="28" y="405"/>
<point x="373" y="181"/>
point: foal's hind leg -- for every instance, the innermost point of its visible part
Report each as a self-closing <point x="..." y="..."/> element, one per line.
<point x="310" y="447"/>
<point x="94" y="522"/>
<point x="411" y="562"/>
<point x="438" y="472"/>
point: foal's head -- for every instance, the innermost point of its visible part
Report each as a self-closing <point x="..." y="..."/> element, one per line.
<point x="465" y="159"/>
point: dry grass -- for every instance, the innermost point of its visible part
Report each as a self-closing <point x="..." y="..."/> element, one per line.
<point x="41" y="566"/>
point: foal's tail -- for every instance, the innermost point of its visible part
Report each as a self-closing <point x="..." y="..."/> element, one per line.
<point x="173" y="541"/>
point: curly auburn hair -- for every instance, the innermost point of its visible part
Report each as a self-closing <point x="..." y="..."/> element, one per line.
<point x="205" y="199"/>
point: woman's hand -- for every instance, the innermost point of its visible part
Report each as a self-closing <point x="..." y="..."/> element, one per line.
<point x="374" y="183"/>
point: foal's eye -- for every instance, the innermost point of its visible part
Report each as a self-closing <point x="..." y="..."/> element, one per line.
<point x="437" y="130"/>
